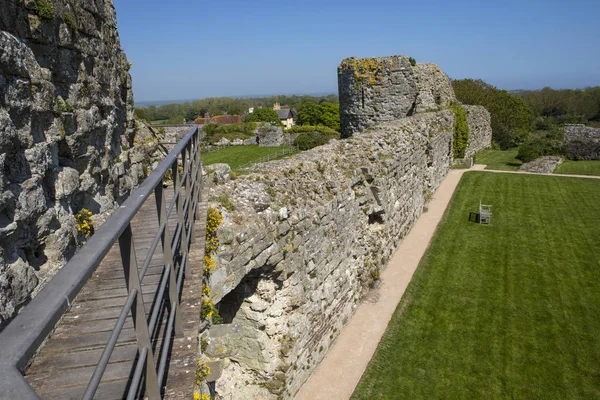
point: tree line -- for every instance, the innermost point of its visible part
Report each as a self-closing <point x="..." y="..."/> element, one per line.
<point x="178" y="113"/>
<point x="531" y="120"/>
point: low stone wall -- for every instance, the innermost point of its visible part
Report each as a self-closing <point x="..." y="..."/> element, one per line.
<point x="542" y="165"/>
<point x="307" y="238"/>
<point x="582" y="142"/>
<point x="480" y="129"/>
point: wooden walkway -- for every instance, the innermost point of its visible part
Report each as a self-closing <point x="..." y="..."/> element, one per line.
<point x="65" y="364"/>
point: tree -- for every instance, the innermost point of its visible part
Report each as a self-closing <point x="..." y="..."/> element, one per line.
<point x="330" y="115"/>
<point x="264" y="115"/>
<point x="325" y="113"/>
<point x="511" y="115"/>
<point x="309" y="113"/>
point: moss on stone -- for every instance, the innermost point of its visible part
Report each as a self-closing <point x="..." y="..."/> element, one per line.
<point x="45" y="9"/>
<point x="63" y="106"/>
<point x="70" y="21"/>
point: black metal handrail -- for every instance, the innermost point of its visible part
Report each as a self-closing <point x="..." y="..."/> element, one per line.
<point x="24" y="335"/>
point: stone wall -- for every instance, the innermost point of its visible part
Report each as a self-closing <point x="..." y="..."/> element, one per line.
<point x="480" y="129"/>
<point x="306" y="240"/>
<point x="66" y="133"/>
<point x="582" y="142"/>
<point x="374" y="90"/>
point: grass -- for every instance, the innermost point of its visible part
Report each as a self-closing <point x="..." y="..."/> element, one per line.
<point x="237" y="156"/>
<point x="579" y="168"/>
<point x="499" y="159"/>
<point x="505" y="311"/>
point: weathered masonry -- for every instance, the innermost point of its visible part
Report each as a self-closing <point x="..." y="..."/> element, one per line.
<point x="303" y="239"/>
<point x="582" y="142"/>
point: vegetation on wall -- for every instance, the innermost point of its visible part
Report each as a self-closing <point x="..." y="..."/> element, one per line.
<point x="309" y="140"/>
<point x="366" y="70"/>
<point x="83" y="219"/>
<point x="310" y="128"/>
<point x="45" y="9"/>
<point x="461" y="132"/>
<point x="511" y="115"/>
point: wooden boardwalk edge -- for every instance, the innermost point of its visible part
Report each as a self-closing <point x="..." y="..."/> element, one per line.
<point x="182" y="368"/>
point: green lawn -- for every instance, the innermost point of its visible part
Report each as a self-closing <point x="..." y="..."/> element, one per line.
<point x="506" y="311"/>
<point x="237" y="156"/>
<point x="579" y="168"/>
<point x="499" y="159"/>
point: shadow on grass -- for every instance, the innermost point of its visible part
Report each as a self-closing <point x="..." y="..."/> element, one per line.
<point x="474" y="217"/>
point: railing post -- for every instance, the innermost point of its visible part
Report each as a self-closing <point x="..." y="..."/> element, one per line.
<point x="138" y="311"/>
<point x="181" y="212"/>
<point x="161" y="209"/>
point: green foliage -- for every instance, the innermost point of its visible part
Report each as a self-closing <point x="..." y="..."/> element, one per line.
<point x="325" y="113"/>
<point x="45" y="9"/>
<point x="308" y="140"/>
<point x="264" y="115"/>
<point x="63" y="106"/>
<point x="565" y="106"/>
<point x="461" y="132"/>
<point x="309" y="129"/>
<point x="141" y="115"/>
<point x="412" y="61"/>
<point x="227" y="105"/>
<point x="245" y="129"/>
<point x="216" y="132"/>
<point x="308" y="113"/>
<point x="511" y="115"/>
<point x="225" y="201"/>
<point x="542" y="144"/>
<point x="176" y="120"/>
<point x="330" y="115"/>
<point x="70" y="21"/>
<point x="505" y="309"/>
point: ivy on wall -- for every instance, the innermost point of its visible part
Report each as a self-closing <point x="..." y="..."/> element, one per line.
<point x="461" y="131"/>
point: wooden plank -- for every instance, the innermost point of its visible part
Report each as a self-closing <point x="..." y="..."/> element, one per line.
<point x="85" y="358"/>
<point x="65" y="364"/>
<point x="115" y="390"/>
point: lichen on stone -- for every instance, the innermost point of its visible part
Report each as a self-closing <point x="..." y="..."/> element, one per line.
<point x="366" y="70"/>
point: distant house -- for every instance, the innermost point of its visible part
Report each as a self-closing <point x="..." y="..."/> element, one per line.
<point x="220" y="120"/>
<point x="286" y="115"/>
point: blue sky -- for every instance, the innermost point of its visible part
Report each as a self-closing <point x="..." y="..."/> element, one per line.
<point x="185" y="49"/>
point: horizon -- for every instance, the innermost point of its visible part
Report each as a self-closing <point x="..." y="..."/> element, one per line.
<point x="181" y="101"/>
<point x="184" y="50"/>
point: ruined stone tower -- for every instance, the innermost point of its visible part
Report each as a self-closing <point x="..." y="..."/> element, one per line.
<point x="381" y="89"/>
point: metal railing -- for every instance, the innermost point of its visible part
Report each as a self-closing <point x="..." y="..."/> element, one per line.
<point x="23" y="336"/>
